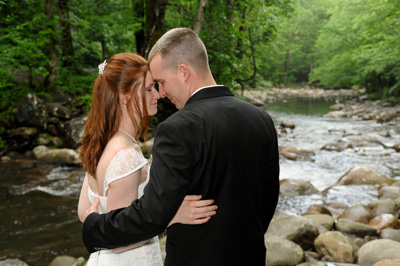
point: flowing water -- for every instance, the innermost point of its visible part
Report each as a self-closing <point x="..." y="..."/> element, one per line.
<point x="38" y="205"/>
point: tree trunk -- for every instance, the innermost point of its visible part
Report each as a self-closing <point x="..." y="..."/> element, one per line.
<point x="287" y="63"/>
<point x="242" y="28"/>
<point x="231" y="5"/>
<point x="67" y="49"/>
<point x="138" y="10"/>
<point x="277" y="65"/>
<point x="200" y="16"/>
<point x="155" y="13"/>
<point x="51" y="51"/>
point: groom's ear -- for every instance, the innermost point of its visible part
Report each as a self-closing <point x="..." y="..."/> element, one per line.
<point x="184" y="72"/>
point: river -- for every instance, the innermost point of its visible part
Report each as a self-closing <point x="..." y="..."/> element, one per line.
<point x="38" y="205"/>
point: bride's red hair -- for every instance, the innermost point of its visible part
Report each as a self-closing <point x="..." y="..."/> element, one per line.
<point x="125" y="74"/>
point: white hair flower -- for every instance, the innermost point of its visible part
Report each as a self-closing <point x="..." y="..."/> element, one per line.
<point x="101" y="67"/>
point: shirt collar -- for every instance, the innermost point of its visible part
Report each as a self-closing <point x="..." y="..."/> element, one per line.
<point x="202" y="88"/>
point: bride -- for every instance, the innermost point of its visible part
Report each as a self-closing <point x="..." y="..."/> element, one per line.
<point x="124" y="98"/>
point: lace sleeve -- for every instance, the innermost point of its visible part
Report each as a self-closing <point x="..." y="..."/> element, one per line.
<point x="124" y="163"/>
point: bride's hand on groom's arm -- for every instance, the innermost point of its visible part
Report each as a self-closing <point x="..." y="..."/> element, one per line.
<point x="194" y="211"/>
<point x="93" y="208"/>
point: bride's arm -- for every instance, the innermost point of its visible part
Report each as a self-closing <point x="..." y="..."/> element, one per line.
<point x="84" y="202"/>
<point x="120" y="194"/>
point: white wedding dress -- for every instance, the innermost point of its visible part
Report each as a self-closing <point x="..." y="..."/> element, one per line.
<point x="124" y="163"/>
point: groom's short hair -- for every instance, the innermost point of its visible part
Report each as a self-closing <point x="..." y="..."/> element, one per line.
<point x="181" y="46"/>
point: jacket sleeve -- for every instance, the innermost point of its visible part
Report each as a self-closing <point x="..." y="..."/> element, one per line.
<point x="271" y="186"/>
<point x="148" y="216"/>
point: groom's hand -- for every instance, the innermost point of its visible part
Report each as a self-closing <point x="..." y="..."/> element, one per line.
<point x="93" y="208"/>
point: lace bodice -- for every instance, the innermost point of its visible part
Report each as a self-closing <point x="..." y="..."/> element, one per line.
<point x="124" y="163"/>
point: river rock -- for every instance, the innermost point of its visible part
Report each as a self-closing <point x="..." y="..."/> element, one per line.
<point x="389" y="262"/>
<point x="390" y="233"/>
<point x="337" y="106"/>
<point x="318" y="209"/>
<point x="23" y="133"/>
<point x="336" y="245"/>
<point x="355" y="228"/>
<point x="363" y="176"/>
<point x="335" y="114"/>
<point x="396" y="146"/>
<point x="389" y="192"/>
<point x="32" y="112"/>
<point x="288" y="124"/>
<point x="295" y="228"/>
<point x="337" y="146"/>
<point x="357" y="213"/>
<point x="377" y="250"/>
<point x="59" y="111"/>
<point x="384" y="221"/>
<point x="290" y="153"/>
<point x="384" y="117"/>
<point x="336" y="208"/>
<point x="57" y="156"/>
<point x="363" y="141"/>
<point x="73" y="131"/>
<point x="281" y="251"/>
<point x="314" y="263"/>
<point x="296" y="187"/>
<point x="65" y="260"/>
<point x="325" y="220"/>
<point x="384" y="206"/>
<point x="13" y="262"/>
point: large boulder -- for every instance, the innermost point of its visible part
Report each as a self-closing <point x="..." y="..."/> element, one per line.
<point x="363" y="176"/>
<point x="390" y="233"/>
<point x="336" y="245"/>
<point x="357" y="213"/>
<point x="389" y="262"/>
<point x="295" y="187"/>
<point x="57" y="156"/>
<point x="59" y="111"/>
<point x="13" y="262"/>
<point x="73" y="131"/>
<point x="377" y="250"/>
<point x="32" y="112"/>
<point x="383" y="206"/>
<point x="390" y="192"/>
<point x="354" y="228"/>
<point x="65" y="260"/>
<point x="325" y="220"/>
<point x="281" y="251"/>
<point x="383" y="221"/>
<point x="298" y="229"/>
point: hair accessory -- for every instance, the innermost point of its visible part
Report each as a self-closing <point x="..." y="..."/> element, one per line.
<point x="101" y="67"/>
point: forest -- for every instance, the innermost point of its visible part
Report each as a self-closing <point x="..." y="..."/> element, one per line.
<point x="48" y="45"/>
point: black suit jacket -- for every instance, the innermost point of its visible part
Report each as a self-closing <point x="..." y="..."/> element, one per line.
<point x="219" y="147"/>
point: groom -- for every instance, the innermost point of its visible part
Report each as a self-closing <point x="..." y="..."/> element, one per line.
<point x="216" y="146"/>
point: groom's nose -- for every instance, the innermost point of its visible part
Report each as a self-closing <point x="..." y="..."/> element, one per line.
<point x="161" y="92"/>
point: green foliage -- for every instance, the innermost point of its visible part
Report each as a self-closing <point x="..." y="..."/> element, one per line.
<point x="359" y="45"/>
<point x="333" y="43"/>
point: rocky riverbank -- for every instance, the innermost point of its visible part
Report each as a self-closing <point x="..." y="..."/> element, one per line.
<point x="331" y="233"/>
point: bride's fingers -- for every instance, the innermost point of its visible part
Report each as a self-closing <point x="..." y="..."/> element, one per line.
<point x="200" y="221"/>
<point x="201" y="203"/>
<point x="204" y="209"/>
<point x="202" y="215"/>
<point x="192" y="197"/>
